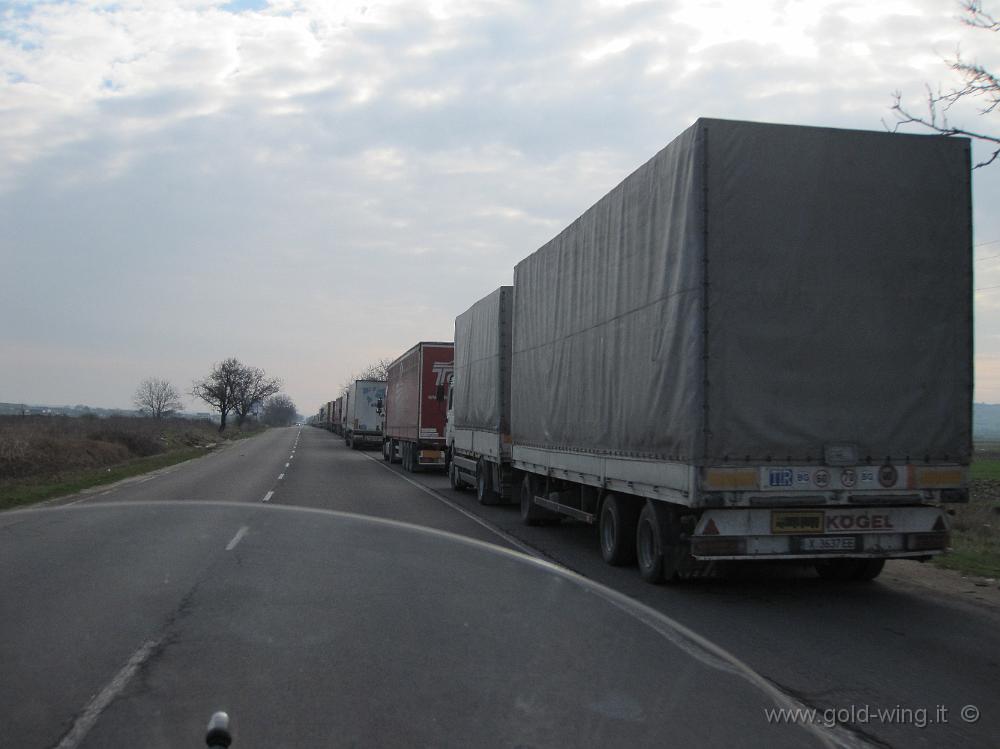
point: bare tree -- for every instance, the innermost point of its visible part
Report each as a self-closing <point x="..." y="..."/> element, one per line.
<point x="377" y="371"/>
<point x="252" y="386"/>
<point x="158" y="397"/>
<point x="279" y="411"/>
<point x="979" y="83"/>
<point x="219" y="387"/>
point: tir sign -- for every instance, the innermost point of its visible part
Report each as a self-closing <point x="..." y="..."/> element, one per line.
<point x="780" y="477"/>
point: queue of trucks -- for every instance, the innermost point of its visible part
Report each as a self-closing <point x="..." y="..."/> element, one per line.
<point x="355" y="415"/>
<point x="757" y="346"/>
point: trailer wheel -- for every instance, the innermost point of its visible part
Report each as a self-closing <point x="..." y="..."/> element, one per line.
<point x="485" y="492"/>
<point x="453" y="477"/>
<point x="617" y="526"/>
<point x="411" y="456"/>
<point x="849" y="569"/>
<point x="531" y="514"/>
<point x="649" y="545"/>
<point x="393" y="451"/>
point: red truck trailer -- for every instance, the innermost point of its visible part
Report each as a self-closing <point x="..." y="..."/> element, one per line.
<point x="416" y="406"/>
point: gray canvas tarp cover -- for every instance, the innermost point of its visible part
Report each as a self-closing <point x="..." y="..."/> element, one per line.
<point x="482" y="364"/>
<point x="757" y="291"/>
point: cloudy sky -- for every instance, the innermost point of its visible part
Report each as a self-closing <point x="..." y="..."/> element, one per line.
<point x="312" y="185"/>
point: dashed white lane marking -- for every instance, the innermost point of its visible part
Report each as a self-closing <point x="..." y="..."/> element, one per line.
<point x="267" y="497"/>
<point x="281" y="476"/>
<point x="287" y="464"/>
<point x="83" y="724"/>
<point x="237" y="538"/>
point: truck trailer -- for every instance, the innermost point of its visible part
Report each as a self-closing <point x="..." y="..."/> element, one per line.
<point x="416" y="405"/>
<point x="360" y="423"/>
<point x="478" y="433"/>
<point x="757" y="346"/>
<point x="337" y="415"/>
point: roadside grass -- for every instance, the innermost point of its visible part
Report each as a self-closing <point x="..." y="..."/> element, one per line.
<point x="975" y="527"/>
<point x="985" y="469"/>
<point x="17" y="493"/>
<point x="46" y="457"/>
<point x="982" y="561"/>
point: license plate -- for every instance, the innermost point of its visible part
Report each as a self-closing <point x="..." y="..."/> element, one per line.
<point x="828" y="543"/>
<point x="797" y="521"/>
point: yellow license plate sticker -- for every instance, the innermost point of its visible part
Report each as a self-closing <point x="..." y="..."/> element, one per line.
<point x="796" y="521"/>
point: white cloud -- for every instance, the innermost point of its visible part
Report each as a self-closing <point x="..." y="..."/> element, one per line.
<point x="312" y="184"/>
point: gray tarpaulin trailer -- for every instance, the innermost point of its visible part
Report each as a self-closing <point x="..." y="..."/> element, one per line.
<point x="479" y="416"/>
<point x="757" y="346"/>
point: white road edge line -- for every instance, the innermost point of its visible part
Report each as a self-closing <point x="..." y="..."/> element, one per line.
<point x="83" y="724"/>
<point x="287" y="464"/>
<point x="694" y="644"/>
<point x="267" y="497"/>
<point x="522" y="547"/>
<point x="281" y="476"/>
<point x="237" y="538"/>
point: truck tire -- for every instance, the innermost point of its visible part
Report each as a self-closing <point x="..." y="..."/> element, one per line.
<point x="849" y="569"/>
<point x="453" y="477"/>
<point x="531" y="514"/>
<point x="354" y="443"/>
<point x="393" y="451"/>
<point x="649" y="545"/>
<point x="484" y="484"/>
<point x="662" y="550"/>
<point x="616" y="529"/>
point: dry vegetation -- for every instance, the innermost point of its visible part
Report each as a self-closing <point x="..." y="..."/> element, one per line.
<point x="975" y="527"/>
<point x="975" y="532"/>
<point x="44" y="456"/>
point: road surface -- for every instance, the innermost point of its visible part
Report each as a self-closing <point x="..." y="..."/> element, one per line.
<point x="132" y="613"/>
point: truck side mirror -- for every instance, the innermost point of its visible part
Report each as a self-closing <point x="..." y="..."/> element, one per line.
<point x="378" y="406"/>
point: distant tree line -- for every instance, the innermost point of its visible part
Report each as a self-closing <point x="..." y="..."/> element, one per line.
<point x="279" y="411"/>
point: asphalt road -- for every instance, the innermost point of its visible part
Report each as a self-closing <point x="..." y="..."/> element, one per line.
<point x="131" y="613"/>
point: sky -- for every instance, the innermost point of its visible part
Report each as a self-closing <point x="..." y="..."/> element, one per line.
<point x="310" y="186"/>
